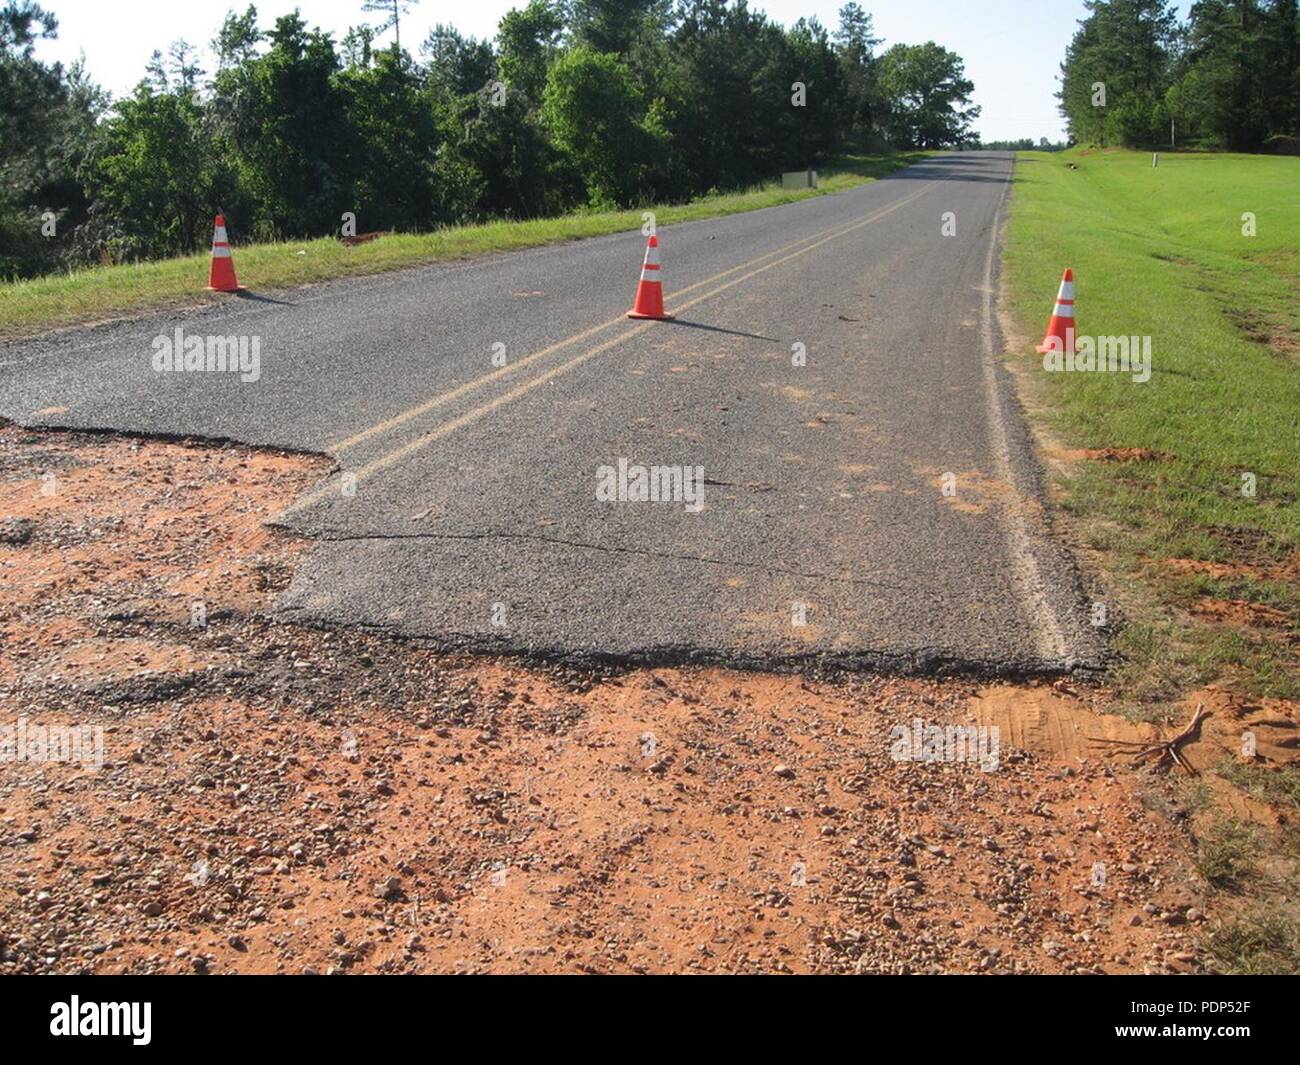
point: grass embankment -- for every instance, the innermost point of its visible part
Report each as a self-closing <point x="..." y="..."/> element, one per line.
<point x="1205" y="576"/>
<point x="102" y="292"/>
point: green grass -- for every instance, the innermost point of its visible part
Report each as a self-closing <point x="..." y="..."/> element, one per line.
<point x="1161" y="253"/>
<point x="104" y="292"/>
<point x="1262" y="943"/>
<point x="1279" y="787"/>
<point x="1225" y="853"/>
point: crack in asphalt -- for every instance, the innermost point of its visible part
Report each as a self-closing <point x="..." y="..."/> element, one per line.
<point x="333" y="538"/>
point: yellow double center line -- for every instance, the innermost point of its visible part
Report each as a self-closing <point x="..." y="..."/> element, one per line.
<point x="446" y="428"/>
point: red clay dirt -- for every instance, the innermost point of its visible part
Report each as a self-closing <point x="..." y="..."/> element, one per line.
<point x="279" y="799"/>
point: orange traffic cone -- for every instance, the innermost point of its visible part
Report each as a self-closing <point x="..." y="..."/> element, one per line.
<point x="650" y="292"/>
<point x="222" y="278"/>
<point x="1060" y="330"/>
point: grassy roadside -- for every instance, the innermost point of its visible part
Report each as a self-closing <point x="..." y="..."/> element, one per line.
<point x="103" y="292"/>
<point x="1202" y="578"/>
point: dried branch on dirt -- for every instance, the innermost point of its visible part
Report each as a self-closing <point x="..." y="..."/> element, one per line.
<point x="1166" y="750"/>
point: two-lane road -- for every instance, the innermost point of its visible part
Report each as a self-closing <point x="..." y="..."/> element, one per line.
<point x="869" y="496"/>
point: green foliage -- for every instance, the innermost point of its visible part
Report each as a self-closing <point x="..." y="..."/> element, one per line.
<point x="595" y="115"/>
<point x="1229" y="77"/>
<point x="293" y="155"/>
<point x="744" y="99"/>
<point x="577" y="103"/>
<point x="856" y="44"/>
<point x="929" y="96"/>
<point x="392" y="10"/>
<point x="391" y="127"/>
<point x="1023" y="144"/>
<point x="609" y="25"/>
<point x="519" y="172"/>
<point x="1136" y="119"/>
<point x="1240" y="73"/>
<point x="46" y="127"/>
<point x="151" y="176"/>
<point x="527" y="41"/>
<point x="456" y="65"/>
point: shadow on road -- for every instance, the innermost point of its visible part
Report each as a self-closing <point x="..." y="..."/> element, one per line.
<point x="946" y="173"/>
<point x="245" y="294"/>
<point x="719" y="329"/>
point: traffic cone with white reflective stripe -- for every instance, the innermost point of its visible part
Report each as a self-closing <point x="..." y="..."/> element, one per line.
<point x="222" y="278"/>
<point x="650" y="292"/>
<point x="1060" y="330"/>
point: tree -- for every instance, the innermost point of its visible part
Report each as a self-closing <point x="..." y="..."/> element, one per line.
<point x="393" y="10"/>
<point x="609" y="25"/>
<point x="1281" y="78"/>
<point x="1238" y="79"/>
<point x="728" y="96"/>
<point x="184" y="65"/>
<point x="282" y="120"/>
<point x="456" y="65"/>
<point x="236" y="41"/>
<point x="928" y="97"/>
<point x="604" y="102"/>
<point x="358" y="46"/>
<point x="151" y="175"/>
<point x="19" y="20"/>
<point x="1117" y="71"/>
<point x="593" y="111"/>
<point x="813" y="131"/>
<point x="504" y="142"/>
<point x="47" y="124"/>
<point x="392" y="138"/>
<point x="527" y="41"/>
<point x="856" y="43"/>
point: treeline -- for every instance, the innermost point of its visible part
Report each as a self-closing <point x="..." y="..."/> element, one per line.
<point x="1023" y="144"/>
<point x="1227" y="77"/>
<point x="575" y="103"/>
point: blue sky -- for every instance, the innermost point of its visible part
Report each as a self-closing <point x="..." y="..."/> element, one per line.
<point x="1012" y="48"/>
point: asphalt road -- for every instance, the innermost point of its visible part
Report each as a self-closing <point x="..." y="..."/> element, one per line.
<point x="878" y="505"/>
